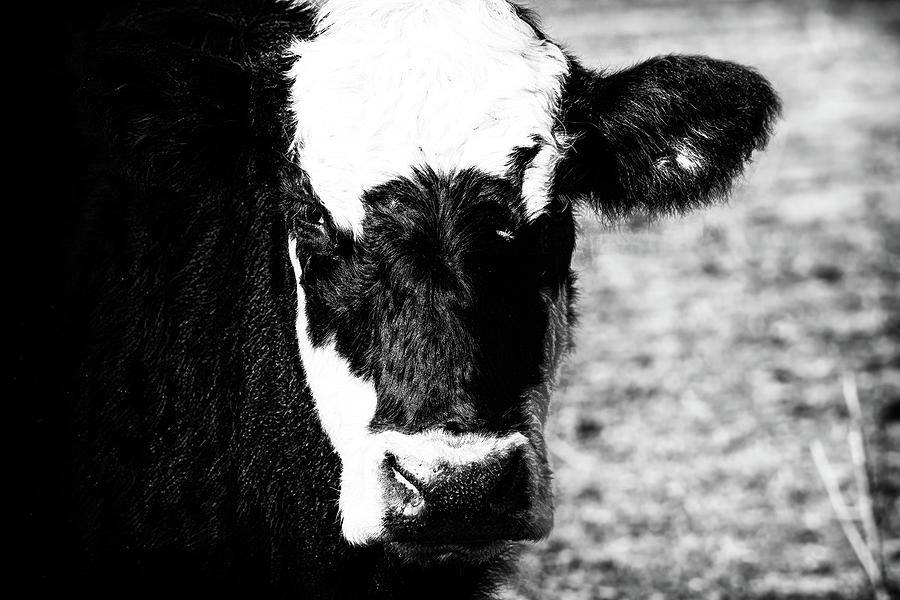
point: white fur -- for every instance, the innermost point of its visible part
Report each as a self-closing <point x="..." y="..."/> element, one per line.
<point x="346" y="405"/>
<point x="538" y="177"/>
<point x="424" y="454"/>
<point x="385" y="86"/>
<point x="687" y="159"/>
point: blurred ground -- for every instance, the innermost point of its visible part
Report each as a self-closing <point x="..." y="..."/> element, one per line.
<point x="711" y="349"/>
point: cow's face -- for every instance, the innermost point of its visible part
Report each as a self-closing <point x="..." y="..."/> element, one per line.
<point x="439" y="146"/>
<point x="433" y="272"/>
<point x="429" y="342"/>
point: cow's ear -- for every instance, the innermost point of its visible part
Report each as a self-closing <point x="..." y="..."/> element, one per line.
<point x="167" y="113"/>
<point x="667" y="135"/>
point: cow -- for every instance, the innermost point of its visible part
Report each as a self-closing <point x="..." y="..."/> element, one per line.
<point x="317" y="283"/>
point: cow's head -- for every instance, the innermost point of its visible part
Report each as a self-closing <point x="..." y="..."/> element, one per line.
<point x="441" y="148"/>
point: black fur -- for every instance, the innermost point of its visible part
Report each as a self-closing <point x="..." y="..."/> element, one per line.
<point x="190" y="456"/>
<point x="433" y="298"/>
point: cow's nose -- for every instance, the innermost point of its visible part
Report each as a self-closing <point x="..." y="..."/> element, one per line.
<point x="462" y="489"/>
<point x="498" y="485"/>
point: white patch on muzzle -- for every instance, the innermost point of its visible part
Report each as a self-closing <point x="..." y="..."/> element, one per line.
<point x="346" y="405"/>
<point x="424" y="455"/>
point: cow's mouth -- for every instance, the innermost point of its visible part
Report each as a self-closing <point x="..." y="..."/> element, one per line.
<point x="434" y="496"/>
<point x="471" y="552"/>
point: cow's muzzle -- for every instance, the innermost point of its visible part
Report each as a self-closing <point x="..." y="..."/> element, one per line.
<point x="441" y="494"/>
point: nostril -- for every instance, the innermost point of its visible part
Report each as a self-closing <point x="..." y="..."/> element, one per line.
<point x="409" y="489"/>
<point x="395" y="467"/>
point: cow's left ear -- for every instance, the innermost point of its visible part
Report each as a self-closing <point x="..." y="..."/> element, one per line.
<point x="667" y="135"/>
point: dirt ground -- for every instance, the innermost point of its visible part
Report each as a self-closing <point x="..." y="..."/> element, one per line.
<point x="711" y="349"/>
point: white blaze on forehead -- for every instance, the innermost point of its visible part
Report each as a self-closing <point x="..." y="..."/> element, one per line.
<point x="389" y="85"/>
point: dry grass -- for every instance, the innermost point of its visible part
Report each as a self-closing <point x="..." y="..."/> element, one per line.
<point x="711" y="349"/>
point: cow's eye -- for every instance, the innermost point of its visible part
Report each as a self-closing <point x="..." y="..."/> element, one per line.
<point x="311" y="226"/>
<point x="311" y="214"/>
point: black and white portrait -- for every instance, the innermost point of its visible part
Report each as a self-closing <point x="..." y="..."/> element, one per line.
<point x="463" y="299"/>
